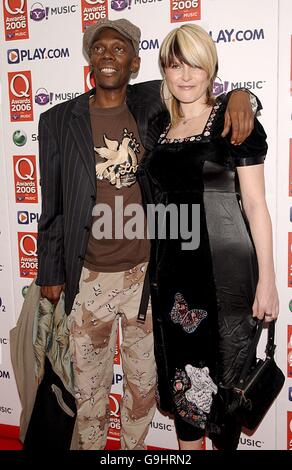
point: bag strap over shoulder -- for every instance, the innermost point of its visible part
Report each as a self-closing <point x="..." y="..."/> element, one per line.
<point x="270" y="348"/>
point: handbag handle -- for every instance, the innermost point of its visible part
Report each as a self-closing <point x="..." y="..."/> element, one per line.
<point x="270" y="348"/>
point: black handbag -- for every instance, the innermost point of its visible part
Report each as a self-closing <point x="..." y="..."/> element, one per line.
<point x="259" y="383"/>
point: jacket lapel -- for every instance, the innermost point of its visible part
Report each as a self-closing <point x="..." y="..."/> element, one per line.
<point x="81" y="129"/>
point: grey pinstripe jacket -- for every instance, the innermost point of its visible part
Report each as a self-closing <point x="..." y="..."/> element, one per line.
<point x="68" y="184"/>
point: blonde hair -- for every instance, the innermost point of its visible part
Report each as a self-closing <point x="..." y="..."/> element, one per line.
<point x="192" y="45"/>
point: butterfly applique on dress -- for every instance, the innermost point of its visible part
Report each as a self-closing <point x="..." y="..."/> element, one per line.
<point x="188" y="319"/>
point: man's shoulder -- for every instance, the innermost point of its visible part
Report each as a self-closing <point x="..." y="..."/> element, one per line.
<point x="152" y="84"/>
<point x="146" y="89"/>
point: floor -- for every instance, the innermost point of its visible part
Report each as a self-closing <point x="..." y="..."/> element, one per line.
<point x="9" y="438"/>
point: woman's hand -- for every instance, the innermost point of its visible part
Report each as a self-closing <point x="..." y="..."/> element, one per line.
<point x="266" y="302"/>
<point x="239" y="117"/>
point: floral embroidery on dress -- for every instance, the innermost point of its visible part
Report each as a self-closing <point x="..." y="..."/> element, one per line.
<point x="187" y="410"/>
<point x="202" y="387"/>
<point x="188" y="319"/>
<point x="193" y="389"/>
<point x="193" y="138"/>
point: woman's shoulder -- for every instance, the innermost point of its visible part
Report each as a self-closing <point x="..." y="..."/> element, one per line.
<point x="156" y="126"/>
<point x="217" y="113"/>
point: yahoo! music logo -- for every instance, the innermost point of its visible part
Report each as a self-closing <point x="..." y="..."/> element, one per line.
<point x="38" y="12"/>
<point x="120" y="5"/>
<point x="43" y="97"/>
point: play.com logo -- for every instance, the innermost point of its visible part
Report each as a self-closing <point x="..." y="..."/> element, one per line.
<point x="237" y="35"/>
<point x="15" y="56"/>
<point x="25" y="217"/>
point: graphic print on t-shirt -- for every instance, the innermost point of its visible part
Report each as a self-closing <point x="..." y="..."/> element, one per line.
<point x="119" y="160"/>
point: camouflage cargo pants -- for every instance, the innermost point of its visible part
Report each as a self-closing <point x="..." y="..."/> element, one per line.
<point x="103" y="299"/>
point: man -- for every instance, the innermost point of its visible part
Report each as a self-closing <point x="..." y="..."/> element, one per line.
<point x="90" y="148"/>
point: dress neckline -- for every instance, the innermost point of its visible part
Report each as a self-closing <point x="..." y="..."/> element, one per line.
<point x="192" y="138"/>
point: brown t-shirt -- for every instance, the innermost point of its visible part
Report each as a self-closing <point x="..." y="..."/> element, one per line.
<point x="118" y="150"/>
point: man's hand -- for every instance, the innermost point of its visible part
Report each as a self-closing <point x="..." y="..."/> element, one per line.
<point x="52" y="293"/>
<point x="239" y="117"/>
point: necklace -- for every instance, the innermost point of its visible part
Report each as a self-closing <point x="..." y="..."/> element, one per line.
<point x="185" y="120"/>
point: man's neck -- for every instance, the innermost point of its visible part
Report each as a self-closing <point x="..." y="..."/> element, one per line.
<point x="108" y="98"/>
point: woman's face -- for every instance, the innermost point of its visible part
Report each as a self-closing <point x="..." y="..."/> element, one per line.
<point x="188" y="84"/>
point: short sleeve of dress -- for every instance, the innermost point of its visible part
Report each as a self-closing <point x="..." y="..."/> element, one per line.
<point x="253" y="150"/>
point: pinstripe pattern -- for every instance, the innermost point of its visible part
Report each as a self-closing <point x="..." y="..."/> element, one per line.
<point x="68" y="186"/>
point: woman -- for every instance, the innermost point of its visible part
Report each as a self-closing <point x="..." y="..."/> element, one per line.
<point x="206" y="301"/>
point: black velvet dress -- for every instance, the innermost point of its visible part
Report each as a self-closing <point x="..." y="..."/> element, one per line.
<point x="202" y="298"/>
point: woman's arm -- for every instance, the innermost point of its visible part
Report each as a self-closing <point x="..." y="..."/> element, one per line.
<point x="252" y="185"/>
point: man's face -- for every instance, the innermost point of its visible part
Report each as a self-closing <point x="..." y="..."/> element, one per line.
<point x="113" y="59"/>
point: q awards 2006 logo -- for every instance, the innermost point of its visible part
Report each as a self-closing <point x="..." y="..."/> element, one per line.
<point x="15" y="19"/>
<point x="185" y="10"/>
<point x="27" y="249"/>
<point x="20" y="96"/>
<point x="114" y="430"/>
<point x="93" y="11"/>
<point x="25" y="179"/>
<point x="289" y="430"/>
<point x="88" y="79"/>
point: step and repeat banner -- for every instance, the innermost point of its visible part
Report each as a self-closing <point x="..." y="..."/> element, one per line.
<point x="43" y="65"/>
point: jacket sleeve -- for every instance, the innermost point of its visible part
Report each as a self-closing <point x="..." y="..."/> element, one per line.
<point x="255" y="103"/>
<point x="151" y="192"/>
<point x="51" y="268"/>
<point x="253" y="150"/>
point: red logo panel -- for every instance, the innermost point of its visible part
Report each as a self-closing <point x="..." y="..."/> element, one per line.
<point x="117" y="358"/>
<point x="290" y="167"/>
<point x="15" y="19"/>
<point x="27" y="249"/>
<point x="289" y="351"/>
<point x="289" y="430"/>
<point x="93" y="11"/>
<point x="291" y="67"/>
<point x="20" y="96"/>
<point x="89" y="82"/>
<point x="289" y="259"/>
<point x="114" y="431"/>
<point x="25" y="179"/>
<point x="185" y="10"/>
